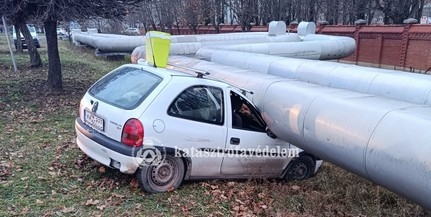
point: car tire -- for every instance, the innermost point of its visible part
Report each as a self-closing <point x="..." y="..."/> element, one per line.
<point x="300" y="168"/>
<point x="166" y="175"/>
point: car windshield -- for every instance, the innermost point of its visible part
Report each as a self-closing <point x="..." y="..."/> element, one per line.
<point x="125" y="87"/>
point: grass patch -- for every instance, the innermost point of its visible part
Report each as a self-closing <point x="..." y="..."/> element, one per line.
<point x="43" y="172"/>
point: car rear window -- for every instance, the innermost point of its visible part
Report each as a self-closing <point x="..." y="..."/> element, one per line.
<point x="125" y="87"/>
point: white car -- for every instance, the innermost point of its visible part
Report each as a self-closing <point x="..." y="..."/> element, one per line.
<point x="33" y="34"/>
<point x="132" y="31"/>
<point x="168" y="126"/>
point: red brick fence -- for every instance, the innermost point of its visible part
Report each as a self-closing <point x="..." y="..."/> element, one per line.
<point x="405" y="47"/>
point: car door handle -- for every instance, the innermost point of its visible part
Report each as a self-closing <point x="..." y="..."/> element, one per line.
<point x="234" y="141"/>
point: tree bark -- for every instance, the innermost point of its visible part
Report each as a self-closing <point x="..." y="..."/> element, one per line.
<point x="361" y="7"/>
<point x="35" y="60"/>
<point x="55" y="79"/>
<point x="18" y="44"/>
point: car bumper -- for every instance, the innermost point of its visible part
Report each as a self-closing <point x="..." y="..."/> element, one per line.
<point x="24" y="43"/>
<point x="106" y="151"/>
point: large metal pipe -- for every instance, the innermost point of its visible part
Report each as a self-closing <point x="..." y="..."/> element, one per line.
<point x="380" y="139"/>
<point x="409" y="87"/>
<point x="310" y="45"/>
<point x="276" y="42"/>
<point x="289" y="45"/>
<point x="111" y="43"/>
<point x="190" y="48"/>
<point x="316" y="47"/>
<point x="126" y="43"/>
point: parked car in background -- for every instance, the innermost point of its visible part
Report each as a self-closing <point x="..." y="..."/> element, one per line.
<point x="62" y="34"/>
<point x="59" y="31"/>
<point x="167" y="126"/>
<point x="33" y="33"/>
<point x="132" y="31"/>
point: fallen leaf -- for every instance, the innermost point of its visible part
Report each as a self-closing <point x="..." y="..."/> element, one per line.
<point x="118" y="195"/>
<point x="171" y="189"/>
<point x="91" y="202"/>
<point x="185" y="208"/>
<point x="24" y="211"/>
<point x="101" y="207"/>
<point x="295" y="187"/>
<point x="68" y="210"/>
<point x="39" y="201"/>
<point x="239" y="201"/>
<point x="134" y="183"/>
<point x="102" y="169"/>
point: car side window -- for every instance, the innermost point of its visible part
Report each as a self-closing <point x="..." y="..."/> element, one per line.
<point x="199" y="103"/>
<point x="244" y="115"/>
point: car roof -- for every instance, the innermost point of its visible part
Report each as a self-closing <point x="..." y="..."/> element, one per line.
<point x="163" y="72"/>
<point x="155" y="70"/>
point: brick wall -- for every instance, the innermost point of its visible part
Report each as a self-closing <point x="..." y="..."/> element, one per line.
<point x="404" y="47"/>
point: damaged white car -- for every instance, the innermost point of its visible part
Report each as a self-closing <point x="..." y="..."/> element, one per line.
<point x="167" y="126"/>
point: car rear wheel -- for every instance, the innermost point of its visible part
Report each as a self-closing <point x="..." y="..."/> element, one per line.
<point x="164" y="176"/>
<point x="300" y="168"/>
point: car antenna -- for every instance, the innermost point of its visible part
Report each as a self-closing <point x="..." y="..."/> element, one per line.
<point x="201" y="73"/>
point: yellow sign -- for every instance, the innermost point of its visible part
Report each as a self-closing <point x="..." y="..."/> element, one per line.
<point x="157" y="46"/>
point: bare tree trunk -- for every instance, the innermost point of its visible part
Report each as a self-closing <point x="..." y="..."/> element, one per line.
<point x="335" y="6"/>
<point x="361" y="6"/>
<point x="35" y="60"/>
<point x="18" y="44"/>
<point x="420" y="9"/>
<point x="398" y="11"/>
<point x="55" y="79"/>
<point x="370" y="16"/>
<point x="177" y="25"/>
<point x="312" y="10"/>
<point x="289" y="16"/>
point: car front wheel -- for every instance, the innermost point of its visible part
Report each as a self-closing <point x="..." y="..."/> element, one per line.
<point x="300" y="168"/>
<point x="164" y="176"/>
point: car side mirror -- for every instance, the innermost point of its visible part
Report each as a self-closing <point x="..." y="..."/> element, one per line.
<point x="270" y="133"/>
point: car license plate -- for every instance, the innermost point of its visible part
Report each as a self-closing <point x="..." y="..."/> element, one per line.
<point x="94" y="121"/>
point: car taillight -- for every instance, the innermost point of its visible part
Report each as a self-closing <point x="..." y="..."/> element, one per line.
<point x="133" y="133"/>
